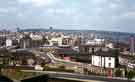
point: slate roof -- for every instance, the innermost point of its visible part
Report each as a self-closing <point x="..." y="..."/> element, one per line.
<point x="110" y="53"/>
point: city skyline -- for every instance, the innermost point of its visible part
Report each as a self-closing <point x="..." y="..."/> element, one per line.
<point x="110" y="15"/>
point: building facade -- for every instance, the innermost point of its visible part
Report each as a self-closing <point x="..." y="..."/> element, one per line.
<point x="105" y="62"/>
<point x="105" y="59"/>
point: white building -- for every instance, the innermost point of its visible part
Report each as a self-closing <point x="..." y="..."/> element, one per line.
<point x="8" y="42"/>
<point x="57" y="41"/>
<point x="63" y="40"/>
<point x="36" y="37"/>
<point x="109" y="45"/>
<point x="104" y="59"/>
<point x="95" y="42"/>
<point x="39" y="68"/>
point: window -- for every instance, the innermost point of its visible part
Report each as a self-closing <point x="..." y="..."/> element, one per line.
<point x="109" y="65"/>
<point x="109" y="58"/>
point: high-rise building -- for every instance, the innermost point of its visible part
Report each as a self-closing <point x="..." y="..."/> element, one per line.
<point x="132" y="51"/>
<point x="18" y="29"/>
<point x="51" y="29"/>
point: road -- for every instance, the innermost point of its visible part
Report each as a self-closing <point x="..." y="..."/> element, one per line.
<point x="70" y="75"/>
<point x="53" y="58"/>
<point x="50" y="57"/>
<point x="78" y="76"/>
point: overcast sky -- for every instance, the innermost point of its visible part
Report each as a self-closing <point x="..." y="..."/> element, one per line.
<point x="113" y="15"/>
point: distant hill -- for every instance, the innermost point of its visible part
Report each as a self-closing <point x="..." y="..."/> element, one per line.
<point x="63" y="30"/>
<point x="100" y="34"/>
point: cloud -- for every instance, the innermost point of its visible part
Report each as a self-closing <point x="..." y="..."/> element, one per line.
<point x="114" y="5"/>
<point x="128" y="15"/>
<point x="64" y="11"/>
<point x="4" y="10"/>
<point x="39" y="3"/>
<point x="99" y="1"/>
<point x="97" y="14"/>
<point x="20" y="15"/>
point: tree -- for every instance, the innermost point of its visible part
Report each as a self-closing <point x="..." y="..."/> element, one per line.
<point x="118" y="73"/>
<point x="130" y="75"/>
<point x="85" y="71"/>
<point x="43" y="64"/>
<point x="62" y="67"/>
<point x="46" y="67"/>
<point x="45" y="40"/>
<point x="126" y="73"/>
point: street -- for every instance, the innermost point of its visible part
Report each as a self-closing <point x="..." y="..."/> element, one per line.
<point x="78" y="76"/>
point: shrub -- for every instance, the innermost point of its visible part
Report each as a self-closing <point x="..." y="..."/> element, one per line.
<point x="59" y="69"/>
<point x="62" y="67"/>
<point x="46" y="68"/>
<point x="85" y="71"/>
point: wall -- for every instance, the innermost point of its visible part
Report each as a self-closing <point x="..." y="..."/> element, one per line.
<point x="103" y="61"/>
<point x="107" y="61"/>
<point x="96" y="60"/>
<point x="8" y="42"/>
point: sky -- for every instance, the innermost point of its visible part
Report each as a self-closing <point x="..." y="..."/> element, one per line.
<point x="112" y="15"/>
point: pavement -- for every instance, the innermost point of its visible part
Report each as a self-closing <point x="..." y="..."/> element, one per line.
<point x="86" y="78"/>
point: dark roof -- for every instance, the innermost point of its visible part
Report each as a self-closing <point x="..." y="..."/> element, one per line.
<point x="121" y="45"/>
<point x="66" y="51"/>
<point x="26" y="37"/>
<point x="129" y="57"/>
<point x="87" y="45"/>
<point x="22" y="53"/>
<point x="4" y="52"/>
<point x="110" y="53"/>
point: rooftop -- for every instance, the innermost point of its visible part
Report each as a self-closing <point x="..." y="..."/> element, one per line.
<point x="110" y="53"/>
